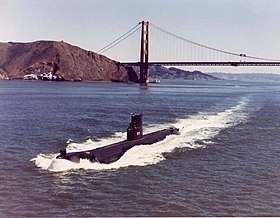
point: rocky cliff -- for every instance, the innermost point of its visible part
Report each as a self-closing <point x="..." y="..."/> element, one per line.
<point x="59" y="58"/>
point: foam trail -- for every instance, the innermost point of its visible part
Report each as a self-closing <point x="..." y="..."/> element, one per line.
<point x="194" y="129"/>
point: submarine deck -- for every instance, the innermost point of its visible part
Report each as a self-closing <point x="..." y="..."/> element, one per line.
<point x="110" y="153"/>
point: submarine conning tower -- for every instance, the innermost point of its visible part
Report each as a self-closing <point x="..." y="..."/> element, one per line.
<point x="135" y="129"/>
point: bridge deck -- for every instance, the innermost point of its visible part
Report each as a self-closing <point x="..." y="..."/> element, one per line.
<point x="202" y="63"/>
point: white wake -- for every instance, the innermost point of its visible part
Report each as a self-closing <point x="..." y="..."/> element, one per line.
<point x="196" y="131"/>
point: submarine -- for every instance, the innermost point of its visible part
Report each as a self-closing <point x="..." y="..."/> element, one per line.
<point x="113" y="152"/>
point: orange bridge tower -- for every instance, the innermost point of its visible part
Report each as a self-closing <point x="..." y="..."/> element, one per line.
<point x="144" y="53"/>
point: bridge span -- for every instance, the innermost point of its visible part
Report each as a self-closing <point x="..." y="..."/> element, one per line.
<point x="197" y="54"/>
<point x="209" y="63"/>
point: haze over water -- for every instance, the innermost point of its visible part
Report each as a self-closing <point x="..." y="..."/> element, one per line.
<point x="224" y="163"/>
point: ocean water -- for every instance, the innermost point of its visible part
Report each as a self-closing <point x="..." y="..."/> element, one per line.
<point x="225" y="162"/>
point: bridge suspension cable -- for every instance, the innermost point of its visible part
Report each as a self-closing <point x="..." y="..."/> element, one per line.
<point x="171" y="49"/>
<point x="119" y="39"/>
<point x="210" y="48"/>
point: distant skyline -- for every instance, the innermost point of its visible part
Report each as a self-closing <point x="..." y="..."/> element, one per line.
<point x="242" y="26"/>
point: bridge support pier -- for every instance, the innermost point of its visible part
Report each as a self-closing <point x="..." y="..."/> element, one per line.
<point x="144" y="53"/>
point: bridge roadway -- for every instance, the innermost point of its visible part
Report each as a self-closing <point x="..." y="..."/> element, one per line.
<point x="203" y="63"/>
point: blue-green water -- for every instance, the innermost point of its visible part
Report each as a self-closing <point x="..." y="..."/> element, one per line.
<point x="224" y="163"/>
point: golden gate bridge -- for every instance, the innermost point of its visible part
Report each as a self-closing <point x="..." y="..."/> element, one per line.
<point x="189" y="52"/>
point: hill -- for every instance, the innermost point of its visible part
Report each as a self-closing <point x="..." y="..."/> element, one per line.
<point x="249" y="77"/>
<point x="161" y="72"/>
<point x="59" y="58"/>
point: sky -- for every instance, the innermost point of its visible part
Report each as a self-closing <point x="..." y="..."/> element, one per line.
<point x="241" y="26"/>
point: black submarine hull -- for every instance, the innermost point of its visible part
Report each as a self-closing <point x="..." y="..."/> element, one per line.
<point x="113" y="152"/>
